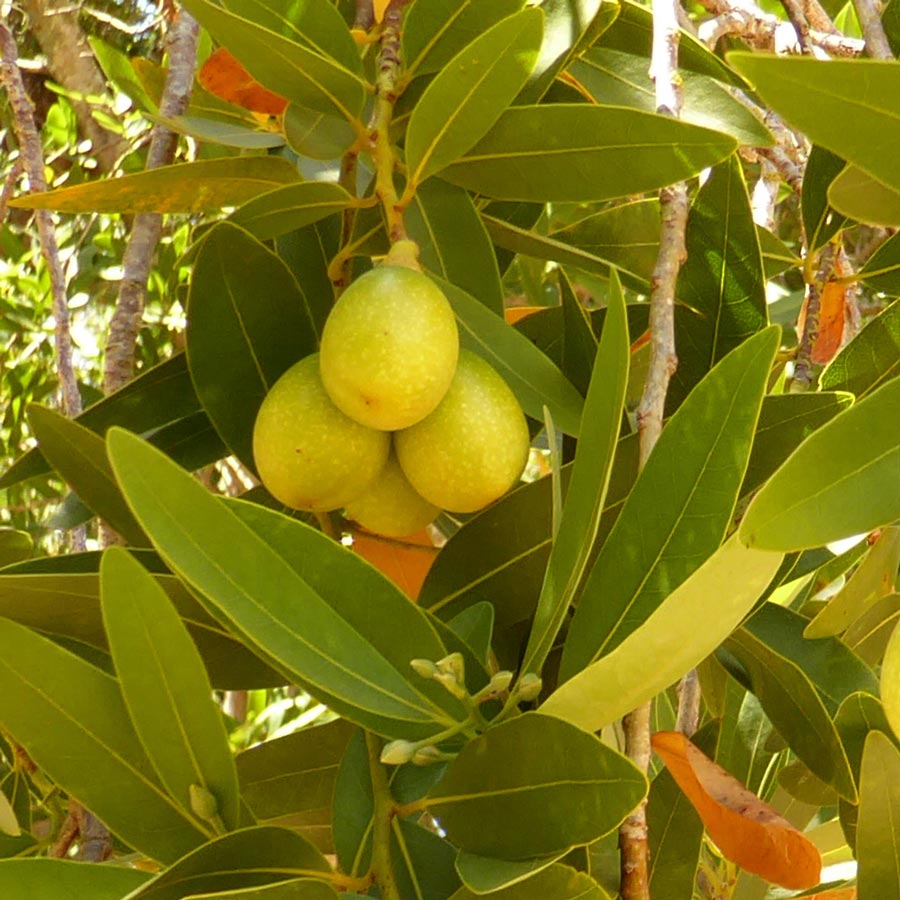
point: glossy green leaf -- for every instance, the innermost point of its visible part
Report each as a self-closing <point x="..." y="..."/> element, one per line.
<point x="354" y="805"/>
<point x="247" y="324"/>
<point x="868" y="636"/>
<point x="62" y="879"/>
<point x="785" y="420"/>
<point x="533" y="378"/>
<point x="777" y="256"/>
<point x="580" y="152"/>
<point x="579" y="348"/>
<point x="878" y="830"/>
<point x="79" y="456"/>
<point x="317" y="135"/>
<point x="586" y="495"/>
<point x="484" y="875"/>
<point x="475" y="626"/>
<point x="331" y="643"/>
<point x="15" y="546"/>
<point x="182" y="188"/>
<point x="833" y="485"/>
<point x="819" y="219"/>
<point x="434" y="31"/>
<point x="881" y="271"/>
<point x="166" y="688"/>
<point x="690" y="482"/>
<point x="250" y="857"/>
<point x="282" y="65"/>
<point x="286" y="209"/>
<point x="424" y="862"/>
<point x="453" y="242"/>
<point x="558" y="882"/>
<point x="719" y="594"/>
<point x="620" y="79"/>
<point x="848" y="106"/>
<point x="722" y="277"/>
<point x="858" y="716"/>
<point x="229" y="134"/>
<point x="469" y="94"/>
<point x="858" y="195"/>
<point x="569" y="786"/>
<point x="72" y="721"/>
<point x="796" y="709"/>
<point x="872" y="358"/>
<point x="318" y="26"/>
<point x="290" y="780"/>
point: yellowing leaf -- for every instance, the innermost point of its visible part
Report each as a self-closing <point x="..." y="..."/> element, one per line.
<point x="514" y="314"/>
<point x="379" y="7"/>
<point x="223" y="76"/>
<point x="405" y="562"/>
<point x="746" y="830"/>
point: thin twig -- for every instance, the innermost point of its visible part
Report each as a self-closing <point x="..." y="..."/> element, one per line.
<point x="9" y="186"/>
<point x="364" y="17"/>
<point x="798" y="19"/>
<point x="869" y="14"/>
<point x="689" y="697"/>
<point x="124" y="327"/>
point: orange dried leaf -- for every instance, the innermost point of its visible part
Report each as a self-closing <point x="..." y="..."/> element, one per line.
<point x="514" y="314"/>
<point x="405" y="562"/>
<point x="848" y="893"/>
<point x="832" y="318"/>
<point x="746" y="830"/>
<point x="223" y="76"/>
<point x="379" y="6"/>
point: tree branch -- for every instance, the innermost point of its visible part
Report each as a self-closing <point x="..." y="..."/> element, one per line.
<point x="869" y="14"/>
<point x="123" y="330"/>
<point x="382" y="866"/>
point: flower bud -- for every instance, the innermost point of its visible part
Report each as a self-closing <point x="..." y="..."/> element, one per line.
<point x="424" y="667"/>
<point x="397" y="752"/>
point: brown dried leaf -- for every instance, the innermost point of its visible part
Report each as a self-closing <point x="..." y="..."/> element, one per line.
<point x="223" y="76"/>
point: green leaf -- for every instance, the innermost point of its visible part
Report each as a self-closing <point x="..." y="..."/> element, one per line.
<point x="690" y="482"/>
<point x="229" y="134"/>
<point x="558" y="882"/>
<point x="15" y="546"/>
<point x="475" y="626"/>
<point x="295" y="889"/>
<point x="277" y="591"/>
<point x="165" y="687"/>
<point x="315" y="134"/>
<point x="833" y="485"/>
<point x="796" y="709"/>
<point x="182" y="188"/>
<point x="79" y="456"/>
<point x="118" y="70"/>
<point x="533" y="378"/>
<point x="62" y="879"/>
<point x="890" y="681"/>
<point x="868" y="636"/>
<point x="579" y="341"/>
<point x="858" y="195"/>
<point x="469" y="94"/>
<point x="453" y="242"/>
<point x="586" y="495"/>
<point x="881" y="270"/>
<point x="317" y="26"/>
<point x="71" y="720"/>
<point x="565" y="783"/>
<point x="722" y="277"/>
<point x="858" y="716"/>
<point x="251" y="857"/>
<point x="614" y="78"/>
<point x="291" y="779"/>
<point x="719" y="594"/>
<point x="423" y="862"/>
<point x="434" y="31"/>
<point x="354" y="805"/>
<point x="288" y="68"/>
<point x="237" y="344"/>
<point x="483" y="875"/>
<point x="846" y="106"/>
<point x="286" y="209"/>
<point x="878" y="831"/>
<point x="581" y="153"/>
<point x="819" y="219"/>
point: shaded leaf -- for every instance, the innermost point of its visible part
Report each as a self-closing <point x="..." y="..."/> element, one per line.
<point x="182" y="188"/>
<point x="820" y="221"/>
<point x="229" y="134"/>
<point x="286" y="209"/>
<point x="317" y="135"/>
<point x="15" y="546"/>
<point x="833" y="485"/>
<point x="858" y="716"/>
<point x="858" y="195"/>
<point x="483" y="875"/>
<point x="60" y="879"/>
<point x="746" y="830"/>
<point x="558" y="882"/>
<point x="568" y="785"/>
<point x="877" y="832"/>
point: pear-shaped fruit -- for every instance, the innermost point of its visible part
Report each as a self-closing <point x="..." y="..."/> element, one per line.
<point x="473" y="447"/>
<point x="308" y="454"/>
<point x="391" y="507"/>
<point x="389" y="348"/>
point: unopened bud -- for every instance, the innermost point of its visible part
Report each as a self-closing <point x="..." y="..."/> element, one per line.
<point x="427" y="756"/>
<point x="453" y="686"/>
<point x="497" y="685"/>
<point x="397" y="752"/>
<point x="455" y="665"/>
<point x="424" y="667"/>
<point x="203" y="802"/>
<point x="529" y="687"/>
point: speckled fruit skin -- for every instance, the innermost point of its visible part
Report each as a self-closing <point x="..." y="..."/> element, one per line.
<point x="309" y="455"/>
<point x="389" y="348"/>
<point x="473" y="447"/>
<point x="391" y="507"/>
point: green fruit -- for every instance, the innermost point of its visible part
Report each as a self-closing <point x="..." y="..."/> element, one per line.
<point x="391" y="506"/>
<point x="389" y="348"/>
<point x="308" y="454"/>
<point x="473" y="447"/>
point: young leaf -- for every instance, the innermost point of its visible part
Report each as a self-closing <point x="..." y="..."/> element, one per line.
<point x="469" y="94"/>
<point x="289" y="208"/>
<point x="746" y="830"/>
<point x="237" y="343"/>
<point x="58" y="879"/>
<point x="586" y="495"/>
<point x="166" y="688"/>
<point x="819" y="219"/>
<point x="309" y="613"/>
<point x="691" y="483"/>
<point x="878" y="832"/>
<point x="719" y="594"/>
<point x="834" y="485"/>
<point x="70" y="718"/>
<point x="182" y="188"/>
<point x="569" y="786"/>
<point x="579" y="152"/>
